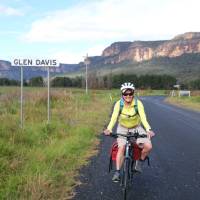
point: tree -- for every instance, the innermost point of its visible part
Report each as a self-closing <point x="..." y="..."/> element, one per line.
<point x="36" y="81"/>
<point x="195" y="84"/>
<point x="61" y="82"/>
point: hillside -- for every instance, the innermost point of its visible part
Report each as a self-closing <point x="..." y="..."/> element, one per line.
<point x="179" y="57"/>
<point x="185" y="67"/>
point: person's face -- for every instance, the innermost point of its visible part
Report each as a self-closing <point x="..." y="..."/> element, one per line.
<point x="128" y="95"/>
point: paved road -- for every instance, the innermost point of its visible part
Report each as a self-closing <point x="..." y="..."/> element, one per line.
<point x="175" y="160"/>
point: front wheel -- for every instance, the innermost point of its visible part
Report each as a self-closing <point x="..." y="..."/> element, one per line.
<point x="124" y="193"/>
<point x="125" y="177"/>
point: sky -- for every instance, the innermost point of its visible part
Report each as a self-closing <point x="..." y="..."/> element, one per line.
<point x="68" y="30"/>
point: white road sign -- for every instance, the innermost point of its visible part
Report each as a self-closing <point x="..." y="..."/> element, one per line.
<point x="35" y="62"/>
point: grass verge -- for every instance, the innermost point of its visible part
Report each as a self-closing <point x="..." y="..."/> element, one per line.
<point x="42" y="160"/>
<point x="186" y="102"/>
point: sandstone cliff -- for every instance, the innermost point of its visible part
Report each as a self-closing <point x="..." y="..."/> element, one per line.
<point x="139" y="51"/>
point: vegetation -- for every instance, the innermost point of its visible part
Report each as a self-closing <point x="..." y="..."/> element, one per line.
<point x="97" y="81"/>
<point x="67" y="82"/>
<point x="114" y="81"/>
<point x="192" y="102"/>
<point x="145" y="81"/>
<point x="195" y="84"/>
<point x="185" y="67"/>
<point x="8" y="82"/>
<point x="42" y="160"/>
<point x="36" y="81"/>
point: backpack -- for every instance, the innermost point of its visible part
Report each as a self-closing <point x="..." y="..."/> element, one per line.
<point x="135" y="107"/>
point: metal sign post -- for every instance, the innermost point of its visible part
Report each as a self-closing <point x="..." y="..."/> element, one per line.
<point x="21" y="113"/>
<point x="48" y="101"/>
<point x="86" y="61"/>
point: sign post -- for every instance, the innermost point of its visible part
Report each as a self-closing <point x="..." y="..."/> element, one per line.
<point x="35" y="63"/>
<point x="48" y="101"/>
<point x="86" y="61"/>
<point x="21" y="113"/>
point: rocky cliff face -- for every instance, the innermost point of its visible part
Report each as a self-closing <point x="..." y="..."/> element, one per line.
<point x="186" y="43"/>
<point x="139" y="51"/>
<point x="135" y="51"/>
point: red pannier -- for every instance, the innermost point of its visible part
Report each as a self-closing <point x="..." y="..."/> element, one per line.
<point x="114" y="149"/>
<point x="136" y="152"/>
<point x="113" y="155"/>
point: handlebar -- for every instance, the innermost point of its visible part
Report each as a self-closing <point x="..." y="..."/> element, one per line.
<point x="129" y="135"/>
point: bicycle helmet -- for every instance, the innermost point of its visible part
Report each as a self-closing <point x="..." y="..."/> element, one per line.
<point x="126" y="86"/>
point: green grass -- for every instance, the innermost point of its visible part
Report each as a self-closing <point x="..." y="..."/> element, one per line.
<point x="41" y="161"/>
<point x="192" y="102"/>
<point x="151" y="92"/>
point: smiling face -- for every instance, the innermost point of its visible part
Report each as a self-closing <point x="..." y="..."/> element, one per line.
<point x="128" y="96"/>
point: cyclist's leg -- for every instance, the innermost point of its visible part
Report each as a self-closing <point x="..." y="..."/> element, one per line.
<point x="147" y="146"/>
<point x="144" y="143"/>
<point x="121" y="147"/>
<point x="120" y="157"/>
<point x="119" y="162"/>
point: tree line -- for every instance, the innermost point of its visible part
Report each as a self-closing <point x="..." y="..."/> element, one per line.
<point x="107" y="82"/>
<point x="8" y="82"/>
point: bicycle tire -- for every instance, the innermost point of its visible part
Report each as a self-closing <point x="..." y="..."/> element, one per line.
<point x="125" y="178"/>
<point x="124" y="193"/>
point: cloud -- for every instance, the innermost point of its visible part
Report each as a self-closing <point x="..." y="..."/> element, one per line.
<point x="99" y="20"/>
<point x="9" y="11"/>
<point x="95" y="24"/>
<point x="67" y="57"/>
<point x="116" y="20"/>
<point x="95" y="50"/>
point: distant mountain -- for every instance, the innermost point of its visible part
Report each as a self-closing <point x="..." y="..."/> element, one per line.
<point x="13" y="72"/>
<point x="179" y="56"/>
<point x="139" y="51"/>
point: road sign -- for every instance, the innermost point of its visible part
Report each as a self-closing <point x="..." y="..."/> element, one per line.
<point x="35" y="63"/>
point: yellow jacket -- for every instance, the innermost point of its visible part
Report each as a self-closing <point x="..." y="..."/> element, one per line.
<point x="125" y="120"/>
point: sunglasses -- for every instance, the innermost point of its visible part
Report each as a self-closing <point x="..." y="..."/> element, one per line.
<point x="128" y="94"/>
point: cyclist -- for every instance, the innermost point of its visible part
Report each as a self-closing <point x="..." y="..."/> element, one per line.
<point x="130" y="120"/>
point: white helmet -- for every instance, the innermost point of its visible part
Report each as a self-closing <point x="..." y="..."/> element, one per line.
<point x="126" y="86"/>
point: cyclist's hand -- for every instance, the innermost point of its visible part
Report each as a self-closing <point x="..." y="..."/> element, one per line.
<point x="150" y="134"/>
<point x="107" y="132"/>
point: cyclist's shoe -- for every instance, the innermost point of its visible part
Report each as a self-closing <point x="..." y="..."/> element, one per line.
<point x="138" y="166"/>
<point x="116" y="177"/>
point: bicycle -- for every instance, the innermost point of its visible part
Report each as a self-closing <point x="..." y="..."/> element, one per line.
<point x="131" y="154"/>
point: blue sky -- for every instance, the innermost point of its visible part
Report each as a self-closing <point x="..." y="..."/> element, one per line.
<point x="68" y="29"/>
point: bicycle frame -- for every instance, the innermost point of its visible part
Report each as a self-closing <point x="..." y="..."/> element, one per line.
<point x="127" y="171"/>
